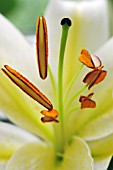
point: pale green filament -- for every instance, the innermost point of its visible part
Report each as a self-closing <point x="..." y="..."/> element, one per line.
<point x="75" y="96"/>
<point x="72" y="83"/>
<point x="52" y="82"/>
<point x="72" y="110"/>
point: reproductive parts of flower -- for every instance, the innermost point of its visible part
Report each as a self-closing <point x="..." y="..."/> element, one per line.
<point x="32" y="91"/>
<point x="92" y="78"/>
<point x="42" y="46"/>
<point x="24" y="84"/>
<point x="92" y="61"/>
<point x="87" y="102"/>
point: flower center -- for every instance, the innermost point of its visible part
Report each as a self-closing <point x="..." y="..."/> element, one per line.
<point x="63" y="99"/>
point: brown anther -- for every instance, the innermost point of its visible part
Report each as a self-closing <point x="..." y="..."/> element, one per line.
<point x="94" y="77"/>
<point x="50" y="113"/>
<point x="87" y="102"/>
<point x="42" y="46"/>
<point x="91" y="61"/>
<point x="27" y="87"/>
<point x="48" y="119"/>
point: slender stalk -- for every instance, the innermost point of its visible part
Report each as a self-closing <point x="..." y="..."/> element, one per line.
<point x="72" y="110"/>
<point x="60" y="69"/>
<point x="75" y="96"/>
<point x="60" y="135"/>
<point x="52" y="82"/>
<point x="72" y="83"/>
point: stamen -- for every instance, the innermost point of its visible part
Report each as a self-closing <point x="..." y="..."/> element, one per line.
<point x="72" y="83"/>
<point x="91" y="61"/>
<point x="72" y="110"/>
<point x="48" y="119"/>
<point x="52" y="82"/>
<point x="76" y="95"/>
<point x="27" y="87"/>
<point x="86" y="59"/>
<point x="97" y="62"/>
<point x="49" y="116"/>
<point x="87" y="102"/>
<point x="94" y="77"/>
<point x="50" y="113"/>
<point x="42" y="46"/>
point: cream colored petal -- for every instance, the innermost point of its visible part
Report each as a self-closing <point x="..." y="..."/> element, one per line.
<point x="32" y="156"/>
<point x="98" y="128"/>
<point x="21" y="109"/>
<point x="2" y="165"/>
<point x="12" y="138"/>
<point x="102" y="147"/>
<point x="103" y="91"/>
<point x="84" y="121"/>
<point x="101" y="163"/>
<point x="88" y="30"/>
<point x="77" y="156"/>
<point x="40" y="156"/>
<point x="18" y="53"/>
<point x="106" y="54"/>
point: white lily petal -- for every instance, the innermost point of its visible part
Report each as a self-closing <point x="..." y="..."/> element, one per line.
<point x="77" y="156"/>
<point x="101" y="163"/>
<point x="15" y="50"/>
<point x="106" y="55"/>
<point x="84" y="118"/>
<point x="98" y="128"/>
<point x="2" y="165"/>
<point x="20" y="108"/>
<point x="89" y="122"/>
<point x="40" y="156"/>
<point x="102" y="147"/>
<point x="32" y="156"/>
<point x="88" y="29"/>
<point x="12" y="138"/>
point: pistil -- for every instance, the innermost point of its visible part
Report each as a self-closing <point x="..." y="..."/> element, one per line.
<point x="59" y="129"/>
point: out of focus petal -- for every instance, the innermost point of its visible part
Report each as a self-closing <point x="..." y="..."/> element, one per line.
<point x="12" y="138"/>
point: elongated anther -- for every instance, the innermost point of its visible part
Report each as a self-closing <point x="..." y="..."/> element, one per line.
<point x="42" y="46"/>
<point x="27" y="87"/>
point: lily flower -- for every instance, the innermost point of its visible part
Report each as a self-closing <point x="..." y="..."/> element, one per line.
<point x="82" y="139"/>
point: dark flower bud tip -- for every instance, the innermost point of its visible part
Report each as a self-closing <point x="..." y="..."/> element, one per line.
<point x="66" y="21"/>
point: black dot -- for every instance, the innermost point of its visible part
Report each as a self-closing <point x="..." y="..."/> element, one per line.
<point x="66" y="21"/>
